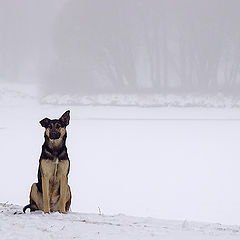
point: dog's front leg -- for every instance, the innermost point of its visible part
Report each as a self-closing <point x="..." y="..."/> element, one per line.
<point x="46" y="171"/>
<point x="63" y="192"/>
<point x="46" y="200"/>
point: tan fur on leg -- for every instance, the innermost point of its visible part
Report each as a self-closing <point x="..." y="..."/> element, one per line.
<point x="63" y="191"/>
<point x="46" y="200"/>
<point x="36" y="198"/>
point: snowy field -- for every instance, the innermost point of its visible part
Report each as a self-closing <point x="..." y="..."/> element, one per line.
<point x="92" y="226"/>
<point x="167" y="163"/>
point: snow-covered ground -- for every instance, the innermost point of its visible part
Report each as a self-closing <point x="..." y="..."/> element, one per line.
<point x="17" y="226"/>
<point x="167" y="163"/>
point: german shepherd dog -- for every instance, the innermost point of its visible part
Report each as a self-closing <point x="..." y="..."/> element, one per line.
<point x="52" y="193"/>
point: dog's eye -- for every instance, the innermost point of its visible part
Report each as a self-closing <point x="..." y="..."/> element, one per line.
<point x="58" y="125"/>
<point x="50" y="126"/>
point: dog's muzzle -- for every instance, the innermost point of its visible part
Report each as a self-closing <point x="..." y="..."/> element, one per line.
<point x="54" y="135"/>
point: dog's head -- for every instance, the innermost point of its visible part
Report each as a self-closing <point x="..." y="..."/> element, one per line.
<point x="56" y="128"/>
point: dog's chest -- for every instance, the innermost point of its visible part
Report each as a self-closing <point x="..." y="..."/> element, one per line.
<point x="56" y="163"/>
<point x="55" y="168"/>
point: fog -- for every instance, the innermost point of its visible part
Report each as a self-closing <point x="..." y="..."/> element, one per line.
<point x="128" y="46"/>
<point x="26" y="47"/>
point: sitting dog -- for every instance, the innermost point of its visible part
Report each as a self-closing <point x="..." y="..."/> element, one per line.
<point x="52" y="192"/>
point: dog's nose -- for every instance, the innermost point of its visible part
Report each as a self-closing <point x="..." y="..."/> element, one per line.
<point x="54" y="135"/>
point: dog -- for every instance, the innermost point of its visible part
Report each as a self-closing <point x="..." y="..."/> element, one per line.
<point x="52" y="193"/>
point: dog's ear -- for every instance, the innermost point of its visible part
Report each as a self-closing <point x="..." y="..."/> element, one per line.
<point x="65" y="118"/>
<point x="45" y="122"/>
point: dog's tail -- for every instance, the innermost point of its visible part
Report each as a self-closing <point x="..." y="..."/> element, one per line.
<point x="26" y="207"/>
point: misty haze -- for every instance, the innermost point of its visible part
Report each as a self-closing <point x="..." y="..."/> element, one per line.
<point x="135" y="46"/>
<point x="153" y="89"/>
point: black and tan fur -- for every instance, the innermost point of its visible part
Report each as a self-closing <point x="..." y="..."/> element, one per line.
<point x="52" y="193"/>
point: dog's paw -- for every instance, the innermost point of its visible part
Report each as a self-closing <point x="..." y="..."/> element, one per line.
<point x="62" y="211"/>
<point x="46" y="211"/>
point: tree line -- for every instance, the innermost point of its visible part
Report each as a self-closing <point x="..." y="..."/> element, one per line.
<point x="127" y="46"/>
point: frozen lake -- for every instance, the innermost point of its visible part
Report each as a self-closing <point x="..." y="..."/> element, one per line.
<point x="160" y="162"/>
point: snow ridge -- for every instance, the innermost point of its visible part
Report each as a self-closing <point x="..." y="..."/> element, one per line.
<point x="144" y="100"/>
<point x="15" y="225"/>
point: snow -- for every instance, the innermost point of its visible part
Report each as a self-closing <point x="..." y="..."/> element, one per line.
<point x="17" y="226"/>
<point x="144" y="100"/>
<point x="167" y="163"/>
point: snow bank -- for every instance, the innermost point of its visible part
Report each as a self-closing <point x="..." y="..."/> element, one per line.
<point x="20" y="93"/>
<point x="18" y="226"/>
<point x="144" y="100"/>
